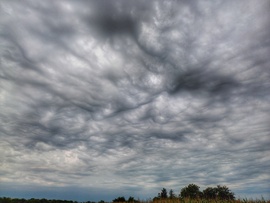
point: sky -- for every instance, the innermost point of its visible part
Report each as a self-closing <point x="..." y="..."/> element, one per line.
<point x="100" y="99"/>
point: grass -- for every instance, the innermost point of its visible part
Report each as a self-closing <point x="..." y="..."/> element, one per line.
<point x="187" y="200"/>
<point x="174" y="200"/>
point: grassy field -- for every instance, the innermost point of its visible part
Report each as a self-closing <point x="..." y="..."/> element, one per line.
<point x="176" y="200"/>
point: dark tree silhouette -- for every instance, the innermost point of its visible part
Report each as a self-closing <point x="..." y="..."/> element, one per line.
<point x="223" y="192"/>
<point x="171" y="194"/>
<point x="119" y="199"/>
<point x="163" y="193"/>
<point x="210" y="193"/>
<point x="131" y="200"/>
<point x="219" y="192"/>
<point x="191" y="191"/>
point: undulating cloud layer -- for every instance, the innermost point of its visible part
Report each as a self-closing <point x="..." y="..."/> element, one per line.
<point x="127" y="97"/>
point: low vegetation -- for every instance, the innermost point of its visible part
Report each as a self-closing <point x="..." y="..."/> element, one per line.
<point x="176" y="200"/>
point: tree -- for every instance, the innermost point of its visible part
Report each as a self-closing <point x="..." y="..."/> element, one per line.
<point x="171" y="194"/>
<point x="210" y="193"/>
<point x="131" y="200"/>
<point x="5" y="200"/>
<point x="220" y="192"/>
<point x="157" y="198"/>
<point x="163" y="193"/>
<point x="191" y="191"/>
<point x="223" y="192"/>
<point x="119" y="199"/>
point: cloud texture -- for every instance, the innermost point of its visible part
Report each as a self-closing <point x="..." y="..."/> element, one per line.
<point x="133" y="96"/>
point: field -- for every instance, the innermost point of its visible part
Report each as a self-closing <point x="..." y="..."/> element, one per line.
<point x="175" y="200"/>
<point x="187" y="200"/>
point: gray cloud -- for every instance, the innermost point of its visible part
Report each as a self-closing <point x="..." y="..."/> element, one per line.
<point x="134" y="96"/>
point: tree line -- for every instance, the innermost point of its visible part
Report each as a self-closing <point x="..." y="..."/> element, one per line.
<point x="193" y="191"/>
<point x="32" y="200"/>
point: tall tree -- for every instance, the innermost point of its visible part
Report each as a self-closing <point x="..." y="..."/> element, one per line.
<point x="131" y="199"/>
<point x="171" y="194"/>
<point x="163" y="193"/>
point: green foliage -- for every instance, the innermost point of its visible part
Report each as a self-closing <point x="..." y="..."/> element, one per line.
<point x="122" y="199"/>
<point x="171" y="194"/>
<point x="219" y="192"/>
<point x="190" y="191"/>
<point x="32" y="200"/>
<point x="223" y="192"/>
<point x="131" y="200"/>
<point x="5" y="200"/>
<point x="119" y="199"/>
<point x="163" y="193"/>
<point x="210" y="193"/>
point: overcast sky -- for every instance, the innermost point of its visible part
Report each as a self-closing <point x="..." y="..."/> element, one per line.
<point x="106" y="98"/>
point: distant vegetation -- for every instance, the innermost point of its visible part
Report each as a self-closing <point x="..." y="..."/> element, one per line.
<point x="188" y="194"/>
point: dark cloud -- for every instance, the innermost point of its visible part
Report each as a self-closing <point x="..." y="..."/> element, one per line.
<point x="130" y="96"/>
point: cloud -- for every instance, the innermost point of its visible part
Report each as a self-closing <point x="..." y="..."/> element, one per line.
<point x="134" y="96"/>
